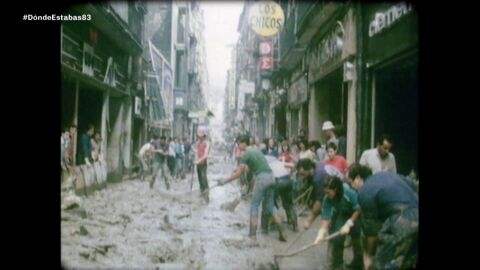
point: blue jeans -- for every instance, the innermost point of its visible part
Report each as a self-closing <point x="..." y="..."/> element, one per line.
<point x="263" y="190"/>
<point x="178" y="165"/>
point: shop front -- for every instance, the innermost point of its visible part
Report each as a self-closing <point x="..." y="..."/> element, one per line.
<point x="297" y="115"/>
<point x="332" y="78"/>
<point x="390" y="102"/>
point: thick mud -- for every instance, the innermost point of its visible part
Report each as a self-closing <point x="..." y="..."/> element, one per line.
<point x="130" y="226"/>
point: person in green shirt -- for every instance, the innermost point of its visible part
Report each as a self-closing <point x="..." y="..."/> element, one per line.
<point x="254" y="161"/>
<point x="340" y="211"/>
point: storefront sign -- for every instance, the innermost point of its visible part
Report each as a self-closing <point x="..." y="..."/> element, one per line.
<point x="265" y="48"/>
<point x="297" y="94"/>
<point x="386" y="19"/>
<point x="266" y="63"/>
<point x="332" y="45"/>
<point x="266" y="18"/>
<point x="336" y="45"/>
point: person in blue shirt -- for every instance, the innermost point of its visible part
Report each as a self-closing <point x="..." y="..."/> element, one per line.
<point x="314" y="175"/>
<point x="340" y="211"/>
<point x="389" y="206"/>
<point x="270" y="148"/>
<point x="87" y="145"/>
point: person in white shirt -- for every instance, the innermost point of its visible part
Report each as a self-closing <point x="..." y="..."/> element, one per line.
<point x="329" y="130"/>
<point x="380" y="159"/>
<point x="144" y="155"/>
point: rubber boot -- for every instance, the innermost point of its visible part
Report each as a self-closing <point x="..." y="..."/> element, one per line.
<point x="253" y="228"/>
<point x="152" y="181"/>
<point x="292" y="220"/>
<point x="167" y="183"/>
<point x="357" y="262"/>
<point x="265" y="222"/>
<point x="278" y="224"/>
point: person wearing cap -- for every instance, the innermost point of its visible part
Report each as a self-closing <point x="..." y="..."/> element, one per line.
<point x="315" y="174"/>
<point x="203" y="148"/>
<point x="380" y="159"/>
<point x="329" y="130"/>
<point x="389" y="220"/>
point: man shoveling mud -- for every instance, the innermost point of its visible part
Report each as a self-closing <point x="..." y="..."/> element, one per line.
<point x="389" y="218"/>
<point x="255" y="161"/>
<point x="340" y="211"/>
<point x="283" y="189"/>
<point x="315" y="175"/>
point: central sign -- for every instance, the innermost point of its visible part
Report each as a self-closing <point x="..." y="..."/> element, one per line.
<point x="266" y="18"/>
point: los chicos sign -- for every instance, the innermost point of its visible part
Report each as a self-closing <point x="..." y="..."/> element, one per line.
<point x="266" y="18"/>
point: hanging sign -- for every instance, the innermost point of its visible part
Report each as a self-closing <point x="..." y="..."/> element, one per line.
<point x="266" y="18"/>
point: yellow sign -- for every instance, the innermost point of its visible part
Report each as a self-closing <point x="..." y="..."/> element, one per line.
<point x="266" y="18"/>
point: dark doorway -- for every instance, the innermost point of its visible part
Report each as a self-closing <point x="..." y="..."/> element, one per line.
<point x="68" y="102"/>
<point x="333" y="90"/>
<point x="90" y="105"/>
<point x="396" y="110"/>
<point x="281" y="119"/>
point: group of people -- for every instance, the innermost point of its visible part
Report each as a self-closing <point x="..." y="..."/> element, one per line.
<point x="90" y="150"/>
<point x="173" y="159"/>
<point x="367" y="200"/>
<point x="172" y="156"/>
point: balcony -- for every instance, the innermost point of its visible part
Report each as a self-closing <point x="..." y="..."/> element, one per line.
<point x="290" y="51"/>
<point x="112" y="25"/>
<point x="80" y="57"/>
<point x="180" y="99"/>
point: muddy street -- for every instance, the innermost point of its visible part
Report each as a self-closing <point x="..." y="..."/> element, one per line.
<point x="128" y="225"/>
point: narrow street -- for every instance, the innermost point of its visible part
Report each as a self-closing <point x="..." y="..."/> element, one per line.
<point x="128" y="225"/>
<point x="308" y="84"/>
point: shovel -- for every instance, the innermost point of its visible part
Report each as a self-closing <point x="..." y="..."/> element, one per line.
<point x="193" y="174"/>
<point x="276" y="256"/>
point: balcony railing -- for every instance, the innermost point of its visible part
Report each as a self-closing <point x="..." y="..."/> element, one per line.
<point x="287" y="37"/>
<point x="73" y="52"/>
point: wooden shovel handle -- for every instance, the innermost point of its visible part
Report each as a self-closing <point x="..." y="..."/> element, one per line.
<point x="308" y="246"/>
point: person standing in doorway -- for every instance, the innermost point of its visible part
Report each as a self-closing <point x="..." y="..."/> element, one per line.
<point x="87" y="145"/>
<point x="342" y="141"/>
<point x="64" y="143"/>
<point x="203" y="149"/>
<point x="96" y="143"/>
<point x="380" y="159"/>
<point x="329" y="130"/>
<point x="71" y="145"/>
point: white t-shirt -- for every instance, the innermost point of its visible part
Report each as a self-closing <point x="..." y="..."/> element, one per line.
<point x="144" y="149"/>
<point x="277" y="166"/>
<point x="371" y="158"/>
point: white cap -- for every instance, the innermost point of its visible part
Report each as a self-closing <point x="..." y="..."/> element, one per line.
<point x="327" y="125"/>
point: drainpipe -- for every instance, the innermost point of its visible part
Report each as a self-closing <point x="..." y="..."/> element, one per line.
<point x="361" y="107"/>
